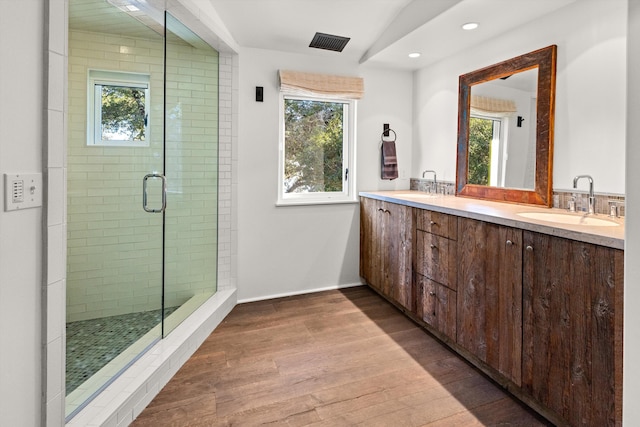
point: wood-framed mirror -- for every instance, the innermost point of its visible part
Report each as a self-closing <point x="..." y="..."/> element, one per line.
<point x="505" y="130"/>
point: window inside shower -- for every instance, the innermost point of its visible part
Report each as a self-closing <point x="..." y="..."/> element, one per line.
<point x="117" y="108"/>
<point x="142" y="199"/>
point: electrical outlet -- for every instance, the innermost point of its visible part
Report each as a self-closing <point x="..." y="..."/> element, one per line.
<point x="22" y="191"/>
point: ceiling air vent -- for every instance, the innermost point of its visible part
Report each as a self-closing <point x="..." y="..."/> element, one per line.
<point x="329" y="42"/>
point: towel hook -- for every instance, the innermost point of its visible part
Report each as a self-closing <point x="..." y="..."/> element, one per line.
<point x="388" y="130"/>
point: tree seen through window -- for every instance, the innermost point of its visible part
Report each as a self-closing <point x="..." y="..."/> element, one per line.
<point x="123" y="115"/>
<point x="313" y="145"/>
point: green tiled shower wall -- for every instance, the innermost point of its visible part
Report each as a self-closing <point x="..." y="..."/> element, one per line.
<point x="114" y="257"/>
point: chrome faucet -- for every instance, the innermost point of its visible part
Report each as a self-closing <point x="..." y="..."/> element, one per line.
<point x="592" y="198"/>
<point x="435" y="181"/>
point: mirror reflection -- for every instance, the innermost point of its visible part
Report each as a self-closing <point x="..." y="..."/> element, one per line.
<point x="505" y="130"/>
<point x="502" y="134"/>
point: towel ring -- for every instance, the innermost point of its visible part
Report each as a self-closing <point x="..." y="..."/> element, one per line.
<point x="389" y="130"/>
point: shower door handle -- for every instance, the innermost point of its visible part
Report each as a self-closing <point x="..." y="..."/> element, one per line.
<point x="164" y="192"/>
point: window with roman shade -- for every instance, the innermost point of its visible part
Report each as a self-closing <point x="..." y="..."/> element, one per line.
<point x="317" y="138"/>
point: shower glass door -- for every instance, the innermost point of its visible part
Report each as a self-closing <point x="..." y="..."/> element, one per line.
<point x="191" y="144"/>
<point x="142" y="188"/>
<point x="114" y="235"/>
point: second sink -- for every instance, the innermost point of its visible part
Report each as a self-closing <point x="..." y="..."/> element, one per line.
<point x="569" y="219"/>
<point x="418" y="195"/>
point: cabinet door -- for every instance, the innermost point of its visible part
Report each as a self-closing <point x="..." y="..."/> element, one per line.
<point x="370" y="237"/>
<point x="572" y="355"/>
<point x="436" y="306"/>
<point x="396" y="254"/>
<point x="385" y="249"/>
<point x="490" y="295"/>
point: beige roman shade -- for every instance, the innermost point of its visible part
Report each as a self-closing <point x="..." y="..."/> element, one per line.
<point x="486" y="105"/>
<point x="309" y="84"/>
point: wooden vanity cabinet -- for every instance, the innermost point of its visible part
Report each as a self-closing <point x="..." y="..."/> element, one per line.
<point x="546" y="313"/>
<point x="542" y="315"/>
<point x="572" y="331"/>
<point x="386" y="250"/>
<point x="489" y="320"/>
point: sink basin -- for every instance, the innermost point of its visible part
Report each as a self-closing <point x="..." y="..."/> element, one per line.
<point x="417" y="195"/>
<point x="569" y="219"/>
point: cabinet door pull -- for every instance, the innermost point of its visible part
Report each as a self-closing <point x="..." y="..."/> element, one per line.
<point x="432" y="222"/>
<point x="433" y="246"/>
<point x="509" y="243"/>
<point x="432" y="293"/>
<point x="529" y="248"/>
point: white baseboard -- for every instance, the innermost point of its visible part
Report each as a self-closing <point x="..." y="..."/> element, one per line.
<point x="302" y="292"/>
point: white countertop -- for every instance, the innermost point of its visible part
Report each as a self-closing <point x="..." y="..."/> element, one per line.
<point x="507" y="214"/>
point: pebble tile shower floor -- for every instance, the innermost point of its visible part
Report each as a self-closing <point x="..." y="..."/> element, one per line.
<point x="91" y="344"/>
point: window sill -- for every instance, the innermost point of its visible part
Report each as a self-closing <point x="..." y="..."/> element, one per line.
<point x="286" y="203"/>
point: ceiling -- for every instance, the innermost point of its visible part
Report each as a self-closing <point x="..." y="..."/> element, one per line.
<point x="382" y="32"/>
<point x="102" y="16"/>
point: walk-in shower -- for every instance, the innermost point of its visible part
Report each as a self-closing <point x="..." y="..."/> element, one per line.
<point x="142" y="183"/>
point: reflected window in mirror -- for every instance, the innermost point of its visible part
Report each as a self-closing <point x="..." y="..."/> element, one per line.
<point x="485" y="148"/>
<point x="508" y="105"/>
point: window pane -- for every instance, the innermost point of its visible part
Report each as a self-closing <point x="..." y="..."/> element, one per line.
<point x="123" y="115"/>
<point x="313" y="146"/>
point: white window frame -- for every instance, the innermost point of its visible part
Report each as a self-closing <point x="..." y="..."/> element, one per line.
<point x="95" y="80"/>
<point x="348" y="193"/>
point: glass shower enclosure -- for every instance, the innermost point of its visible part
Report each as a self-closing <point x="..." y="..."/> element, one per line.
<point x="142" y="163"/>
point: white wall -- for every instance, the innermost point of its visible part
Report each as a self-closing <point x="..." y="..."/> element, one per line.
<point x="631" y="385"/>
<point x="21" y="121"/>
<point x="590" y="98"/>
<point x="294" y="249"/>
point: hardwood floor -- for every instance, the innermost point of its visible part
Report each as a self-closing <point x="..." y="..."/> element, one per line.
<point x="336" y="358"/>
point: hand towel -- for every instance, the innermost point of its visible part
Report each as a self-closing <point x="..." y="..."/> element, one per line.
<point x="389" y="160"/>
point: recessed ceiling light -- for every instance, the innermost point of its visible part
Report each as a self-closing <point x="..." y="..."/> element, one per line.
<point x="414" y="55"/>
<point x="132" y="8"/>
<point x="470" y="26"/>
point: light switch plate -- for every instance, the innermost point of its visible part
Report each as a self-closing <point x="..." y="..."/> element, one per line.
<point x="22" y="191"/>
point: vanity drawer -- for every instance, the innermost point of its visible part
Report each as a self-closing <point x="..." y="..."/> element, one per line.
<point x="436" y="306"/>
<point x="436" y="258"/>
<point x="437" y="223"/>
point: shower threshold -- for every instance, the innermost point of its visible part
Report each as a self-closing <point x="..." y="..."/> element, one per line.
<point x="84" y="391"/>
